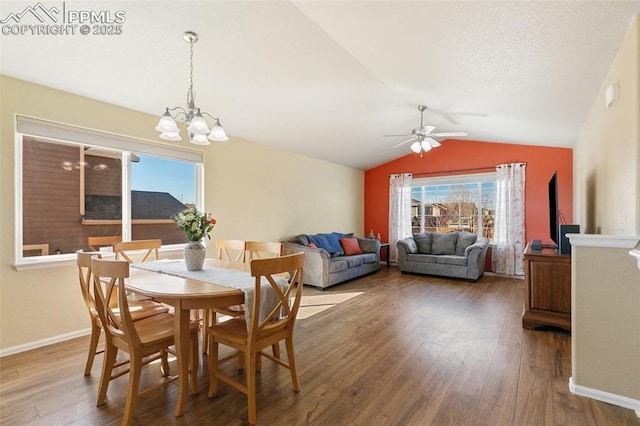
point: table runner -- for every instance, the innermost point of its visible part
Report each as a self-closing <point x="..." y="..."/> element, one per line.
<point x="231" y="278"/>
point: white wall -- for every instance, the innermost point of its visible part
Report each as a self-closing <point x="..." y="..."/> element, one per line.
<point x="254" y="191"/>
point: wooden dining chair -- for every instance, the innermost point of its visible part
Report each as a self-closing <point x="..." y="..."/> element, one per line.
<point x="137" y="250"/>
<point x="140" y="309"/>
<point x="227" y="250"/>
<point x="251" y="339"/>
<point x="261" y="250"/>
<point x="145" y="340"/>
<point x="255" y="250"/>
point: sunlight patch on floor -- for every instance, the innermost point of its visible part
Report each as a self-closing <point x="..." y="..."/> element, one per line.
<point x="316" y="303"/>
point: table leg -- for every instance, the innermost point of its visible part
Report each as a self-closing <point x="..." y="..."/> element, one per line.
<point x="388" y="253"/>
<point x="181" y="333"/>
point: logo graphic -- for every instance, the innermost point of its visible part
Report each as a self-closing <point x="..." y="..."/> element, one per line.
<point x="33" y="10"/>
<point x="38" y="20"/>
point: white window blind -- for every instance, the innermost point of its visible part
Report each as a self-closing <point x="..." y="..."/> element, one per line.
<point x="63" y="132"/>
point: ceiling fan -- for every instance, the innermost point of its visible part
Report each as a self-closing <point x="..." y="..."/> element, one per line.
<point x="424" y="135"/>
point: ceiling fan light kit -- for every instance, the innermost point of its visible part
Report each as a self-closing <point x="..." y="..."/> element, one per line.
<point x="424" y="135"/>
<point x="419" y="147"/>
<point x="191" y="116"/>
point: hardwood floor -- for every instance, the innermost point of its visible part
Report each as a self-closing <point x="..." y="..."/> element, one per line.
<point x="409" y="350"/>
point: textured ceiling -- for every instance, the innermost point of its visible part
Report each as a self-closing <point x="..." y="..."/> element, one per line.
<point x="330" y="79"/>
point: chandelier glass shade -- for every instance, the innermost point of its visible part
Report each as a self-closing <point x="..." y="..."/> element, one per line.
<point x="191" y="116"/>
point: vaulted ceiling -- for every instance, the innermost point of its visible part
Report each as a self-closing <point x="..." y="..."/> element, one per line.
<point x="330" y="79"/>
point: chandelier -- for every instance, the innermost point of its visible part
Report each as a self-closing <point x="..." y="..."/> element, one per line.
<point x="192" y="117"/>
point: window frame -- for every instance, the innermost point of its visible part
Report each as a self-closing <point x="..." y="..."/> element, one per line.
<point x="74" y="135"/>
<point x="478" y="178"/>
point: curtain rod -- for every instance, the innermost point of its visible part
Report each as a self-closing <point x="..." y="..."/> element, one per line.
<point x="454" y="171"/>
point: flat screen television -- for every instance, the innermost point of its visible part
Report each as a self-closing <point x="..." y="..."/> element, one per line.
<point x="554" y="209"/>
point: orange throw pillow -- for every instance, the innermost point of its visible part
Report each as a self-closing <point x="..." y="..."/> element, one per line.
<point x="350" y="246"/>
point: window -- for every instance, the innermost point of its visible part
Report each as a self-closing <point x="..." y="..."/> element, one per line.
<point x="81" y="189"/>
<point x="454" y="203"/>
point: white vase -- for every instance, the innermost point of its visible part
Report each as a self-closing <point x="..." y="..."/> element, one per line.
<point x="194" y="254"/>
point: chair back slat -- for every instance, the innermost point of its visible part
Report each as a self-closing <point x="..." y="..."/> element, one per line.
<point x="138" y="250"/>
<point x="231" y="250"/>
<point x="261" y="250"/>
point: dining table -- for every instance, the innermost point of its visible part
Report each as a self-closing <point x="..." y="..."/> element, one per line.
<point x="185" y="293"/>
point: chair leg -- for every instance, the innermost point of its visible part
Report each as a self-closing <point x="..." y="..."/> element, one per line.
<point x="292" y="364"/>
<point x="135" y="367"/>
<point x="212" y="361"/>
<point x="276" y="353"/>
<point x="109" y="360"/>
<point x="240" y="361"/>
<point x="251" y="387"/>
<point x="93" y="346"/>
<point x="164" y="363"/>
<point x="206" y="323"/>
<point x="258" y="362"/>
<point x="193" y="372"/>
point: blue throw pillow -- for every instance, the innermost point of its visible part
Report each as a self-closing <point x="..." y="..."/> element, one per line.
<point x="329" y="242"/>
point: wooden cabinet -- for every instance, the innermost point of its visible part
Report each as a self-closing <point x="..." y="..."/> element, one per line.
<point x="547" y="298"/>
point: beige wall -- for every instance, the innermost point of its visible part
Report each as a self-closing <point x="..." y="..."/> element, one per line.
<point x="606" y="332"/>
<point x="254" y="191"/>
<point x="257" y="192"/>
<point x="607" y="153"/>
<point x="606" y="280"/>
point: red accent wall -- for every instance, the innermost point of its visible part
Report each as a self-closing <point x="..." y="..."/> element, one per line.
<point x="456" y="154"/>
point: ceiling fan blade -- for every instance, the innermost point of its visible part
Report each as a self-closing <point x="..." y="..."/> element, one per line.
<point x="449" y="134"/>
<point x="450" y="115"/>
<point x="402" y="143"/>
<point x="428" y="129"/>
<point x="434" y="143"/>
<point x="451" y="119"/>
<point x="389" y="136"/>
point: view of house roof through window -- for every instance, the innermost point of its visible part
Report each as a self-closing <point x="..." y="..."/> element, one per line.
<point x="73" y="196"/>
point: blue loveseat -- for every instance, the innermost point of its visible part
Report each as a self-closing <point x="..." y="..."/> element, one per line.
<point x="326" y="262"/>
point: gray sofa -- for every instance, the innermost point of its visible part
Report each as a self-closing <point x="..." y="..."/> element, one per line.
<point x="455" y="254"/>
<point x="324" y="267"/>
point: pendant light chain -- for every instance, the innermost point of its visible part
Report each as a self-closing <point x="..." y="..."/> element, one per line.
<point x="191" y="96"/>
